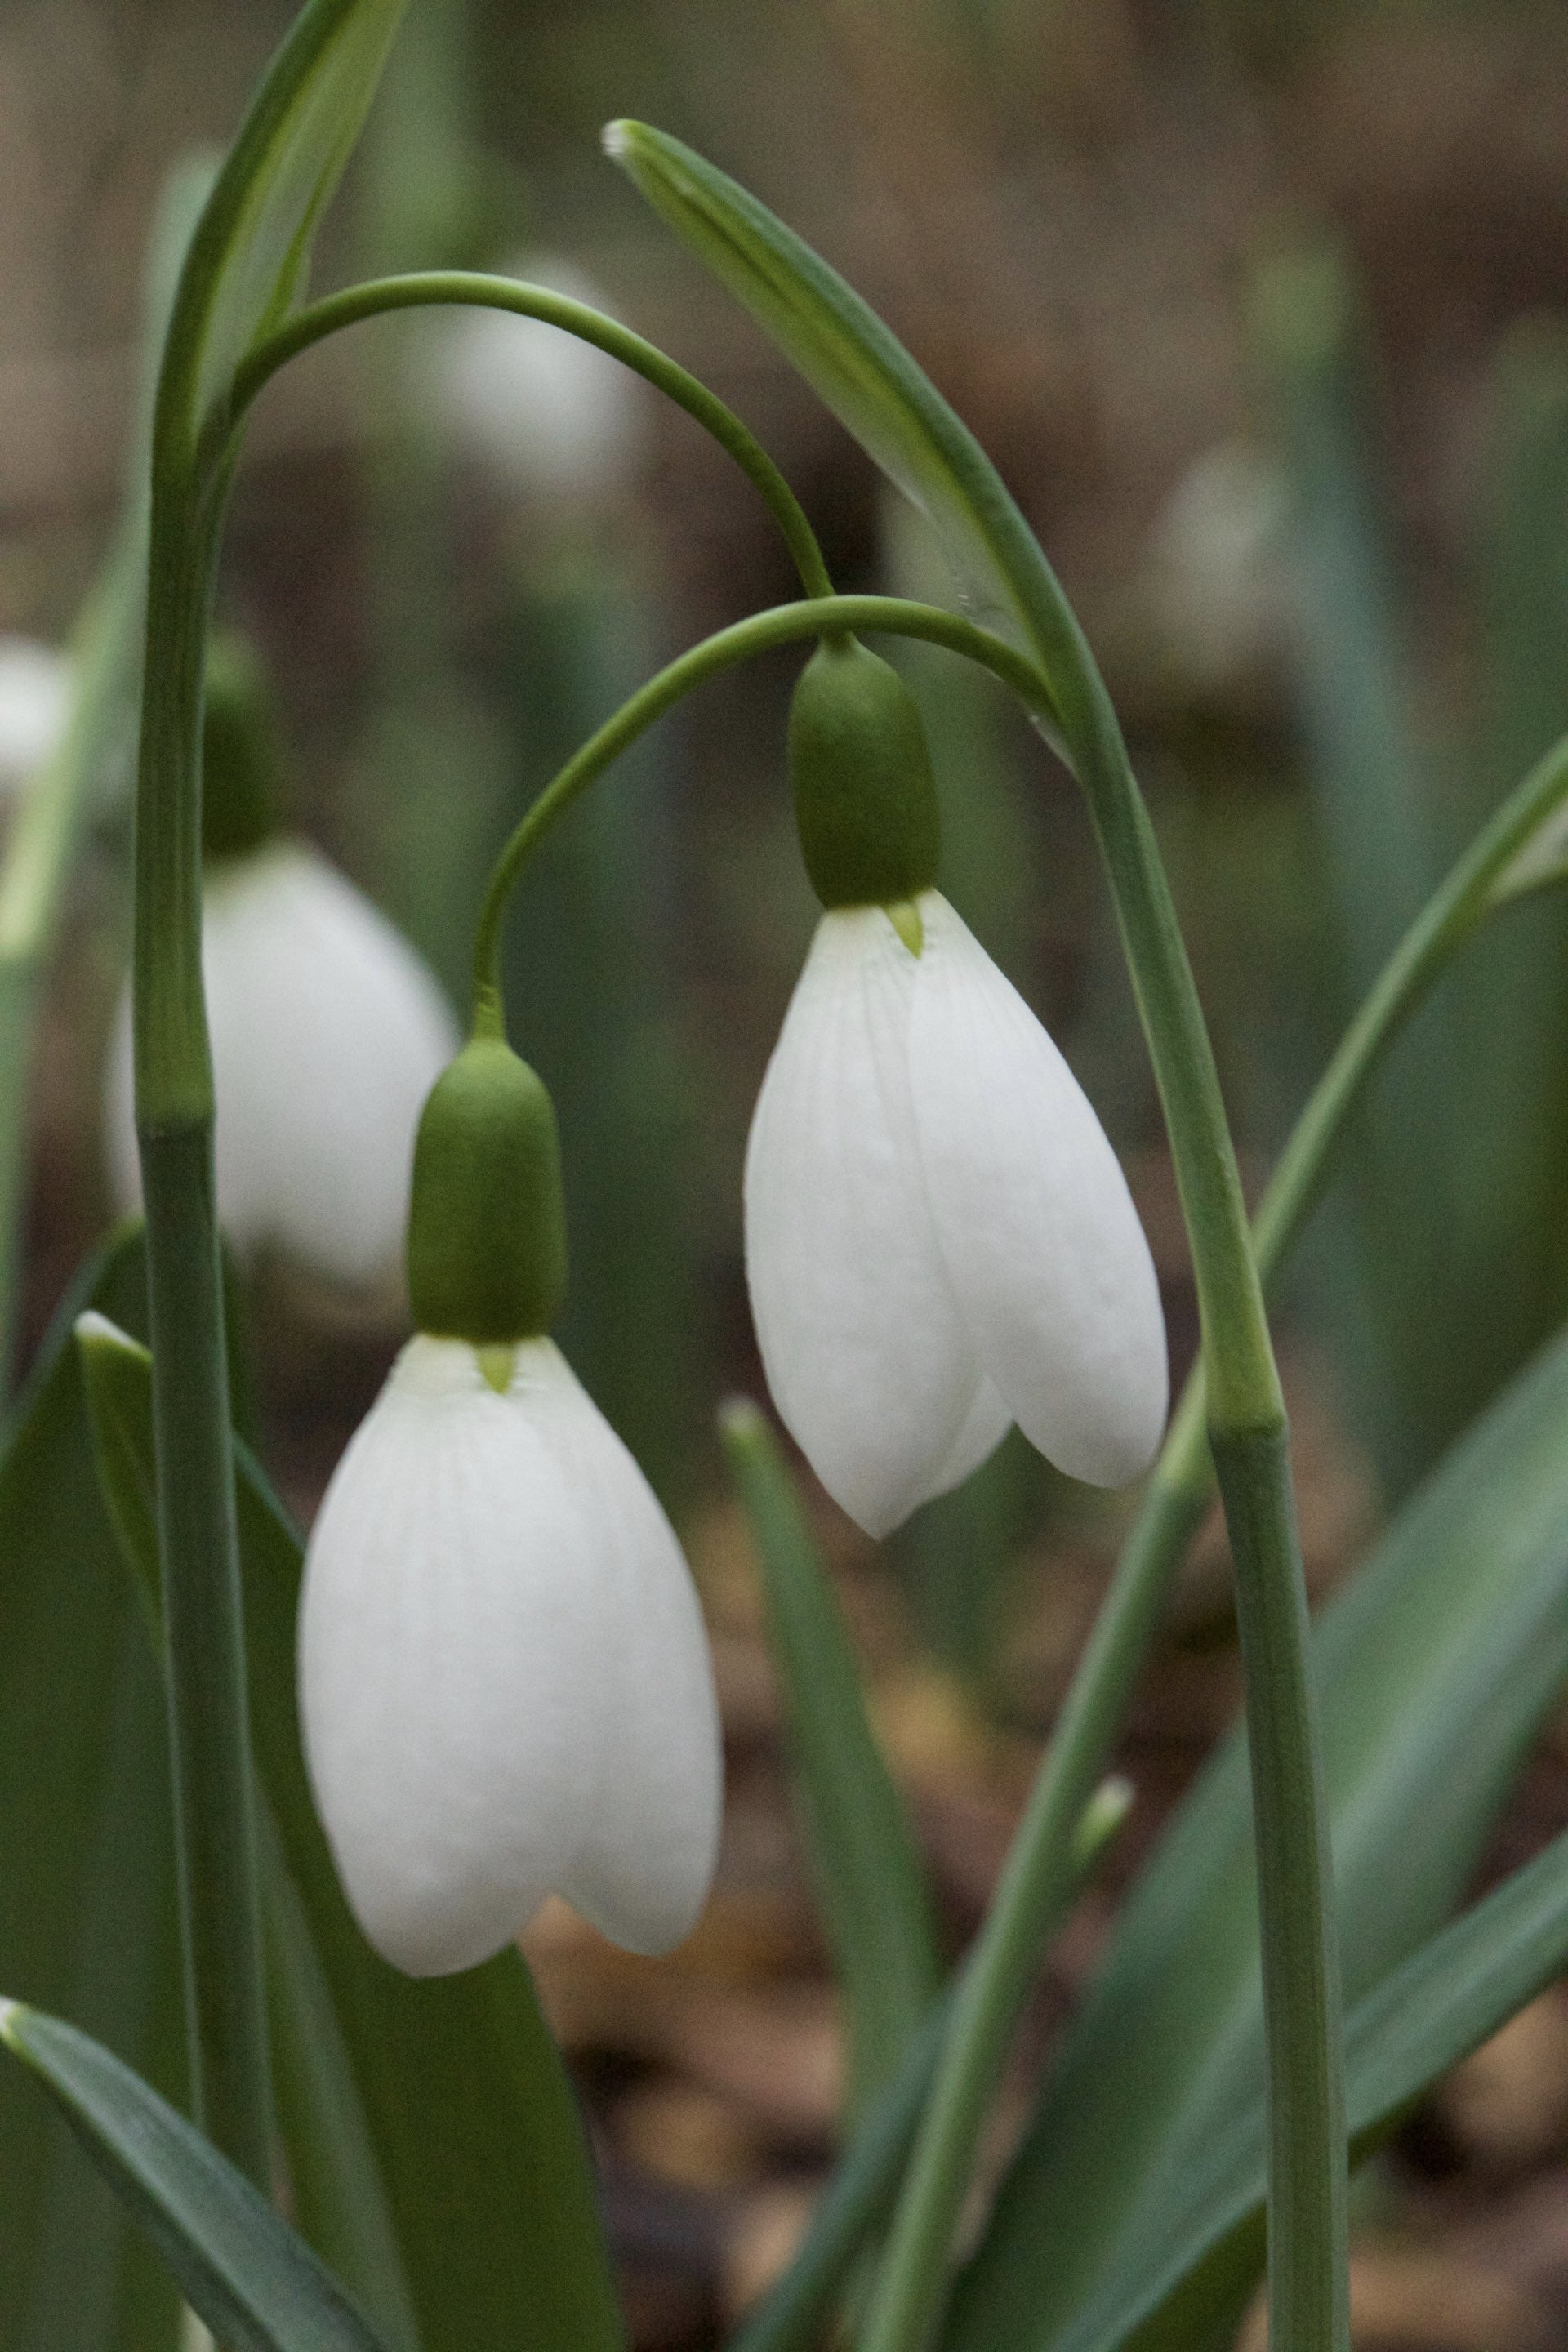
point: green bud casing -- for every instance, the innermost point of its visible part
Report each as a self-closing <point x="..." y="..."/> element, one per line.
<point x="865" y="798"/>
<point x="242" y="756"/>
<point x="487" y="1227"/>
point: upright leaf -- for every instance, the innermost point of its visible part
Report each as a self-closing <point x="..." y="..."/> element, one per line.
<point x="256" y="2284"/>
<point x="1435" y="1665"/>
<point x="452" y="2085"/>
<point x="859" y="1842"/>
<point x="248" y="257"/>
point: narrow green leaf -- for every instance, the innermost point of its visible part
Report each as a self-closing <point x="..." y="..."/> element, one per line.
<point x="1442" y="2004"/>
<point x="256" y="2284"/>
<point x="465" y="2102"/>
<point x="87" y="1922"/>
<point x="1435" y="1665"/>
<point x="249" y="255"/>
<point x="861" y="1846"/>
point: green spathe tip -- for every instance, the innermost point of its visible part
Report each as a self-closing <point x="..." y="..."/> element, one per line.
<point x="865" y="798"/>
<point x="487" y="1227"/>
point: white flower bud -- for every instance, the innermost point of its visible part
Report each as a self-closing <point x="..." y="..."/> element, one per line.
<point x="35" y="700"/>
<point x="551" y="414"/>
<point x="939" y="1238"/>
<point x="504" y="1678"/>
<point x="327" y="1034"/>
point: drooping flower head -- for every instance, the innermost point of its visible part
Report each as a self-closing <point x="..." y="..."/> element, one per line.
<point x="504" y="1679"/>
<point x="939" y="1240"/>
<point x="327" y="1030"/>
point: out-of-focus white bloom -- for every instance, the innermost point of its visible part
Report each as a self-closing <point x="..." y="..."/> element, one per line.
<point x="35" y="699"/>
<point x="1216" y="573"/>
<point x="939" y="1238"/>
<point x="554" y="414"/>
<point x="504" y="1678"/>
<point x="327" y="1034"/>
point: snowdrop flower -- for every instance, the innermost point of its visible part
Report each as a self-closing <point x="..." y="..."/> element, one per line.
<point x="35" y="696"/>
<point x="554" y="414"/>
<point x="939" y="1238"/>
<point x="327" y="1030"/>
<point x="504" y="1679"/>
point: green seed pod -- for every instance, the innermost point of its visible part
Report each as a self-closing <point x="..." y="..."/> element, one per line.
<point x="242" y="757"/>
<point x="865" y="798"/>
<point x="487" y="1227"/>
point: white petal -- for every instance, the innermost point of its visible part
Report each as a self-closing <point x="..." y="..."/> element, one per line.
<point x="650" y="1820"/>
<point x="447" y="1665"/>
<point x="987" y="1423"/>
<point x="866" y="1354"/>
<point x="504" y="1681"/>
<point x="327" y="1034"/>
<point x="1037" y="1226"/>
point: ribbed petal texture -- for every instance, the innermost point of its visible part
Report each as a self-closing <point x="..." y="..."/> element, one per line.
<point x="938" y="1237"/>
<point x="864" y="1349"/>
<point x="327" y="1034"/>
<point x="504" y="1679"/>
<point x="1038" y="1229"/>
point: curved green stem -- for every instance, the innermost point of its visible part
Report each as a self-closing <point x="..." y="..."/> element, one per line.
<point x="444" y="287"/>
<point x="781" y="624"/>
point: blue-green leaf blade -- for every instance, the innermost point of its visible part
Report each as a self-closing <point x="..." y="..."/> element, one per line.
<point x="858" y="367"/>
<point x="1440" y="2005"/>
<point x="1435" y="1665"/>
<point x="860" y="1844"/>
<point x="249" y="254"/>
<point x="245" y="2273"/>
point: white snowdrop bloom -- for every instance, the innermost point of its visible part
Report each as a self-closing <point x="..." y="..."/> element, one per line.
<point x="35" y="701"/>
<point x="327" y="1034"/>
<point x="504" y="1676"/>
<point x="555" y="415"/>
<point x="939" y="1240"/>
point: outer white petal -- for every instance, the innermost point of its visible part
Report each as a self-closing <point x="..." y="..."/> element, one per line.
<point x="867" y="1356"/>
<point x="649" y="1818"/>
<point x="1035" y="1223"/>
<point x="35" y="697"/>
<point x="327" y="1034"/>
<point x="988" y="1422"/>
<point x="449" y="1666"/>
<point x="554" y="414"/>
